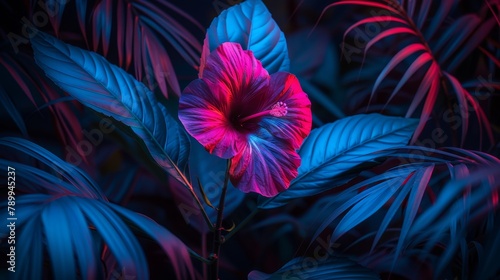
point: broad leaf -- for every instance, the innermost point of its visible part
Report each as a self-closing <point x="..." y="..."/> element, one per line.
<point x="108" y="89"/>
<point x="250" y="24"/>
<point x="319" y="269"/>
<point x="330" y="153"/>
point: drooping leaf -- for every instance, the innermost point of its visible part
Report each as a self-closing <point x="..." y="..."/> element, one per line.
<point x="330" y="153"/>
<point x="316" y="269"/>
<point x="109" y="90"/>
<point x="422" y="221"/>
<point x="69" y="179"/>
<point x="251" y="25"/>
<point x="63" y="214"/>
<point x="64" y="226"/>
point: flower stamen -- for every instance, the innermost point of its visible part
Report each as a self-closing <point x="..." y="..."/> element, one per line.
<point x="277" y="110"/>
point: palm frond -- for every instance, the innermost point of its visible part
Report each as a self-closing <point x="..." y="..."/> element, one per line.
<point x="409" y="33"/>
<point x="142" y="27"/>
<point x="36" y="88"/>
<point x="63" y="222"/>
<point x="423" y="220"/>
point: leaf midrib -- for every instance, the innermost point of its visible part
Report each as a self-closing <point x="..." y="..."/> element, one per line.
<point x="345" y="151"/>
<point x="113" y="94"/>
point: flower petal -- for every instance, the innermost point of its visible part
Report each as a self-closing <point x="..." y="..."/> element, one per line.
<point x="235" y="70"/>
<point x="201" y="113"/>
<point x="265" y="166"/>
<point x="296" y="124"/>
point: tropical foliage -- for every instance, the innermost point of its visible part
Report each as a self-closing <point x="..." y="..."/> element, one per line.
<point x="323" y="139"/>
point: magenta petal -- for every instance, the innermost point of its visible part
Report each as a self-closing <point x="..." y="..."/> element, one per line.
<point x="236" y="110"/>
<point x="237" y="71"/>
<point x="265" y="166"/>
<point x="296" y="124"/>
<point x="200" y="114"/>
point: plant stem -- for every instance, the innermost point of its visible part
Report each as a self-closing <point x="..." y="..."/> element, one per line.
<point x="242" y="224"/>
<point x="202" y="209"/>
<point x="218" y="238"/>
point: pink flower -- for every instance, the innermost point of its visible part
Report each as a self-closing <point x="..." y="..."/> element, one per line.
<point x="237" y="110"/>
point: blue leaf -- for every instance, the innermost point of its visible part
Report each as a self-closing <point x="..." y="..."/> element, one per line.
<point x="422" y="226"/>
<point x="330" y="152"/>
<point x="67" y="227"/>
<point x="75" y="180"/>
<point x="109" y="90"/>
<point x="174" y="248"/>
<point x="316" y="269"/>
<point x="11" y="110"/>
<point x="251" y="25"/>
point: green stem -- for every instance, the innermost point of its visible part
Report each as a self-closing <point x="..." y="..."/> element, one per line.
<point x="218" y="238"/>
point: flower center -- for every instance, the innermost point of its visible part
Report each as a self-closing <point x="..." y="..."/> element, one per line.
<point x="277" y="110"/>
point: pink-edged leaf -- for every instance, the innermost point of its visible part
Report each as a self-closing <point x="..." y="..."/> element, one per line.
<point x="67" y="125"/>
<point x="144" y="26"/>
<point x="431" y="81"/>
<point x="21" y="77"/>
<point x="156" y="19"/>
<point x="387" y="33"/>
<point x="54" y="10"/>
<point x="422" y="89"/>
<point x="414" y="67"/>
<point x="161" y="65"/>
<point x="396" y="59"/>
<point x="375" y="19"/>
<point x="102" y="31"/>
<point x="371" y="4"/>
<point x="492" y="57"/>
